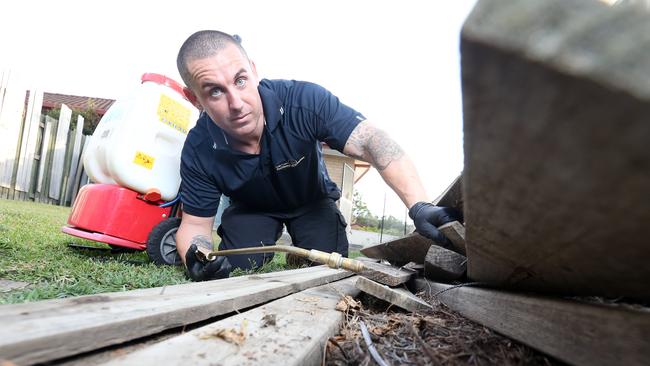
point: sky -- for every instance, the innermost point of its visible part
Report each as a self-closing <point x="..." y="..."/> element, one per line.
<point x="398" y="63"/>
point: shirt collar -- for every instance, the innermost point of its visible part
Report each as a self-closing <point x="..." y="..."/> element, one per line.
<point x="217" y="134"/>
<point x="273" y="108"/>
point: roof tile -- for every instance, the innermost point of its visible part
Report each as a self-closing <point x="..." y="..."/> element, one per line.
<point x="54" y="100"/>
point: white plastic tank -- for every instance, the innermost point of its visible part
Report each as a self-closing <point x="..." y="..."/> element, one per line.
<point x="137" y="143"/>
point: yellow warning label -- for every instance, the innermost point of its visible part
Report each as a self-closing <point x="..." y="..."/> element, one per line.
<point x="173" y="114"/>
<point x="144" y="160"/>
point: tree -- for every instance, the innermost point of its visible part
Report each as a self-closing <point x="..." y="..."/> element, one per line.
<point x="91" y="118"/>
<point x="359" y="207"/>
<point x="362" y="217"/>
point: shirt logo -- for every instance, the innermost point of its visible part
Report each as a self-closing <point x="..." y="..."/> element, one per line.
<point x="289" y="164"/>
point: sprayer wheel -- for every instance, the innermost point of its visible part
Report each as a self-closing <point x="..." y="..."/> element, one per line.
<point x="161" y="244"/>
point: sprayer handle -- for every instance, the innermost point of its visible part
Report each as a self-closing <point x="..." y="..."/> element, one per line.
<point x="335" y="260"/>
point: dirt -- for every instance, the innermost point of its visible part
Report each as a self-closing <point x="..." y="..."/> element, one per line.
<point x="438" y="337"/>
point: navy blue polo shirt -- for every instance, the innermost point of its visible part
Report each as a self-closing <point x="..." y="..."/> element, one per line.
<point x="289" y="171"/>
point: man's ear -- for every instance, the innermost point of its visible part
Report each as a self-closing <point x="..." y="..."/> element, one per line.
<point x="189" y="94"/>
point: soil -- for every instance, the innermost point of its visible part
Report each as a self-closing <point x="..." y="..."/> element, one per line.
<point x="438" y="337"/>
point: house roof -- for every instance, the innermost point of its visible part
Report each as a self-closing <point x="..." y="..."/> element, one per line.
<point x="54" y="100"/>
<point x="360" y="166"/>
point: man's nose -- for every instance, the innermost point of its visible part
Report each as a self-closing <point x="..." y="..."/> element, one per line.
<point x="235" y="101"/>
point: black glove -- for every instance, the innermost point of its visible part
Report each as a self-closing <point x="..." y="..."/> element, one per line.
<point x="427" y="217"/>
<point x="209" y="270"/>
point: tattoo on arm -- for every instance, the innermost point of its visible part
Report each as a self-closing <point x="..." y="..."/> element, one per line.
<point x="374" y="146"/>
<point x="202" y="241"/>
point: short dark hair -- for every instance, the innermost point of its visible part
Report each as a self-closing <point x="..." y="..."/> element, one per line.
<point x="203" y="44"/>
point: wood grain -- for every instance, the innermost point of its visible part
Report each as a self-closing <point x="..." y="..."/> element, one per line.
<point x="289" y="331"/>
<point x="30" y="130"/>
<point x="452" y="196"/>
<point x="48" y="330"/>
<point x="58" y="155"/>
<point x="386" y="274"/>
<point x="574" y="332"/>
<point x="411" y="248"/>
<point x="455" y="232"/>
<point x="13" y="90"/>
<point x="557" y="165"/>
<point x="395" y="295"/>
<point x="444" y="265"/>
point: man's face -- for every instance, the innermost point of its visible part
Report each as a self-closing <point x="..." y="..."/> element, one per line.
<point x="225" y="85"/>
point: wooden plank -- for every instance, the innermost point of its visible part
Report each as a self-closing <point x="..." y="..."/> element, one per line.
<point x="74" y="160"/>
<point x="46" y="152"/>
<point x="67" y="163"/>
<point x="289" y="331"/>
<point x="80" y="169"/>
<point x="386" y="274"/>
<point x="20" y="196"/>
<point x="574" y="332"/>
<point x="28" y="142"/>
<point x="411" y="248"/>
<point x="414" y="247"/>
<point x="455" y="232"/>
<point x="366" y="259"/>
<point x="443" y="264"/>
<point x="11" y="114"/>
<point x="397" y="296"/>
<point x="60" y="142"/>
<point x="452" y="196"/>
<point x="418" y="268"/>
<point x="47" y="172"/>
<point x="48" y="330"/>
<point x="557" y="177"/>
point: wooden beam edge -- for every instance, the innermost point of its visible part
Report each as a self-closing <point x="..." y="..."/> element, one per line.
<point x="574" y="332"/>
<point x="288" y="331"/>
<point x="114" y="318"/>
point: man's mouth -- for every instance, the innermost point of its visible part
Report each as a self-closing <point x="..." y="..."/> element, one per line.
<point x="240" y="117"/>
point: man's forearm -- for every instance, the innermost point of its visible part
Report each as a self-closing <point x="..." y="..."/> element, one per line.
<point x="183" y="243"/>
<point x="194" y="230"/>
<point x="374" y="146"/>
<point x="403" y="178"/>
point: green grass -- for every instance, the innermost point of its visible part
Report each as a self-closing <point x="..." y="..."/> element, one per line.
<point x="34" y="250"/>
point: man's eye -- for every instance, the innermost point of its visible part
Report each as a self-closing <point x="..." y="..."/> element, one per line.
<point x="240" y="82"/>
<point x="215" y="92"/>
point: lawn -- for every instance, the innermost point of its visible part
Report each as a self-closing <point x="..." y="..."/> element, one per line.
<point x="34" y="250"/>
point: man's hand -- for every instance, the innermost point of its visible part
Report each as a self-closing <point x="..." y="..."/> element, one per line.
<point x="211" y="270"/>
<point x="427" y="218"/>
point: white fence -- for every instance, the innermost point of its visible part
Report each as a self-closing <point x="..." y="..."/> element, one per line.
<point x="39" y="155"/>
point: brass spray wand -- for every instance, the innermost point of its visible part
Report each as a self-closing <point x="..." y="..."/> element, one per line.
<point x="333" y="260"/>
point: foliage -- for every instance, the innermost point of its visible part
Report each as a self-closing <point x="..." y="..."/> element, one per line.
<point x="54" y="113"/>
<point x="395" y="226"/>
<point x="91" y="117"/>
<point x="363" y="218"/>
<point x="361" y="215"/>
<point x="89" y="114"/>
<point x="359" y="207"/>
